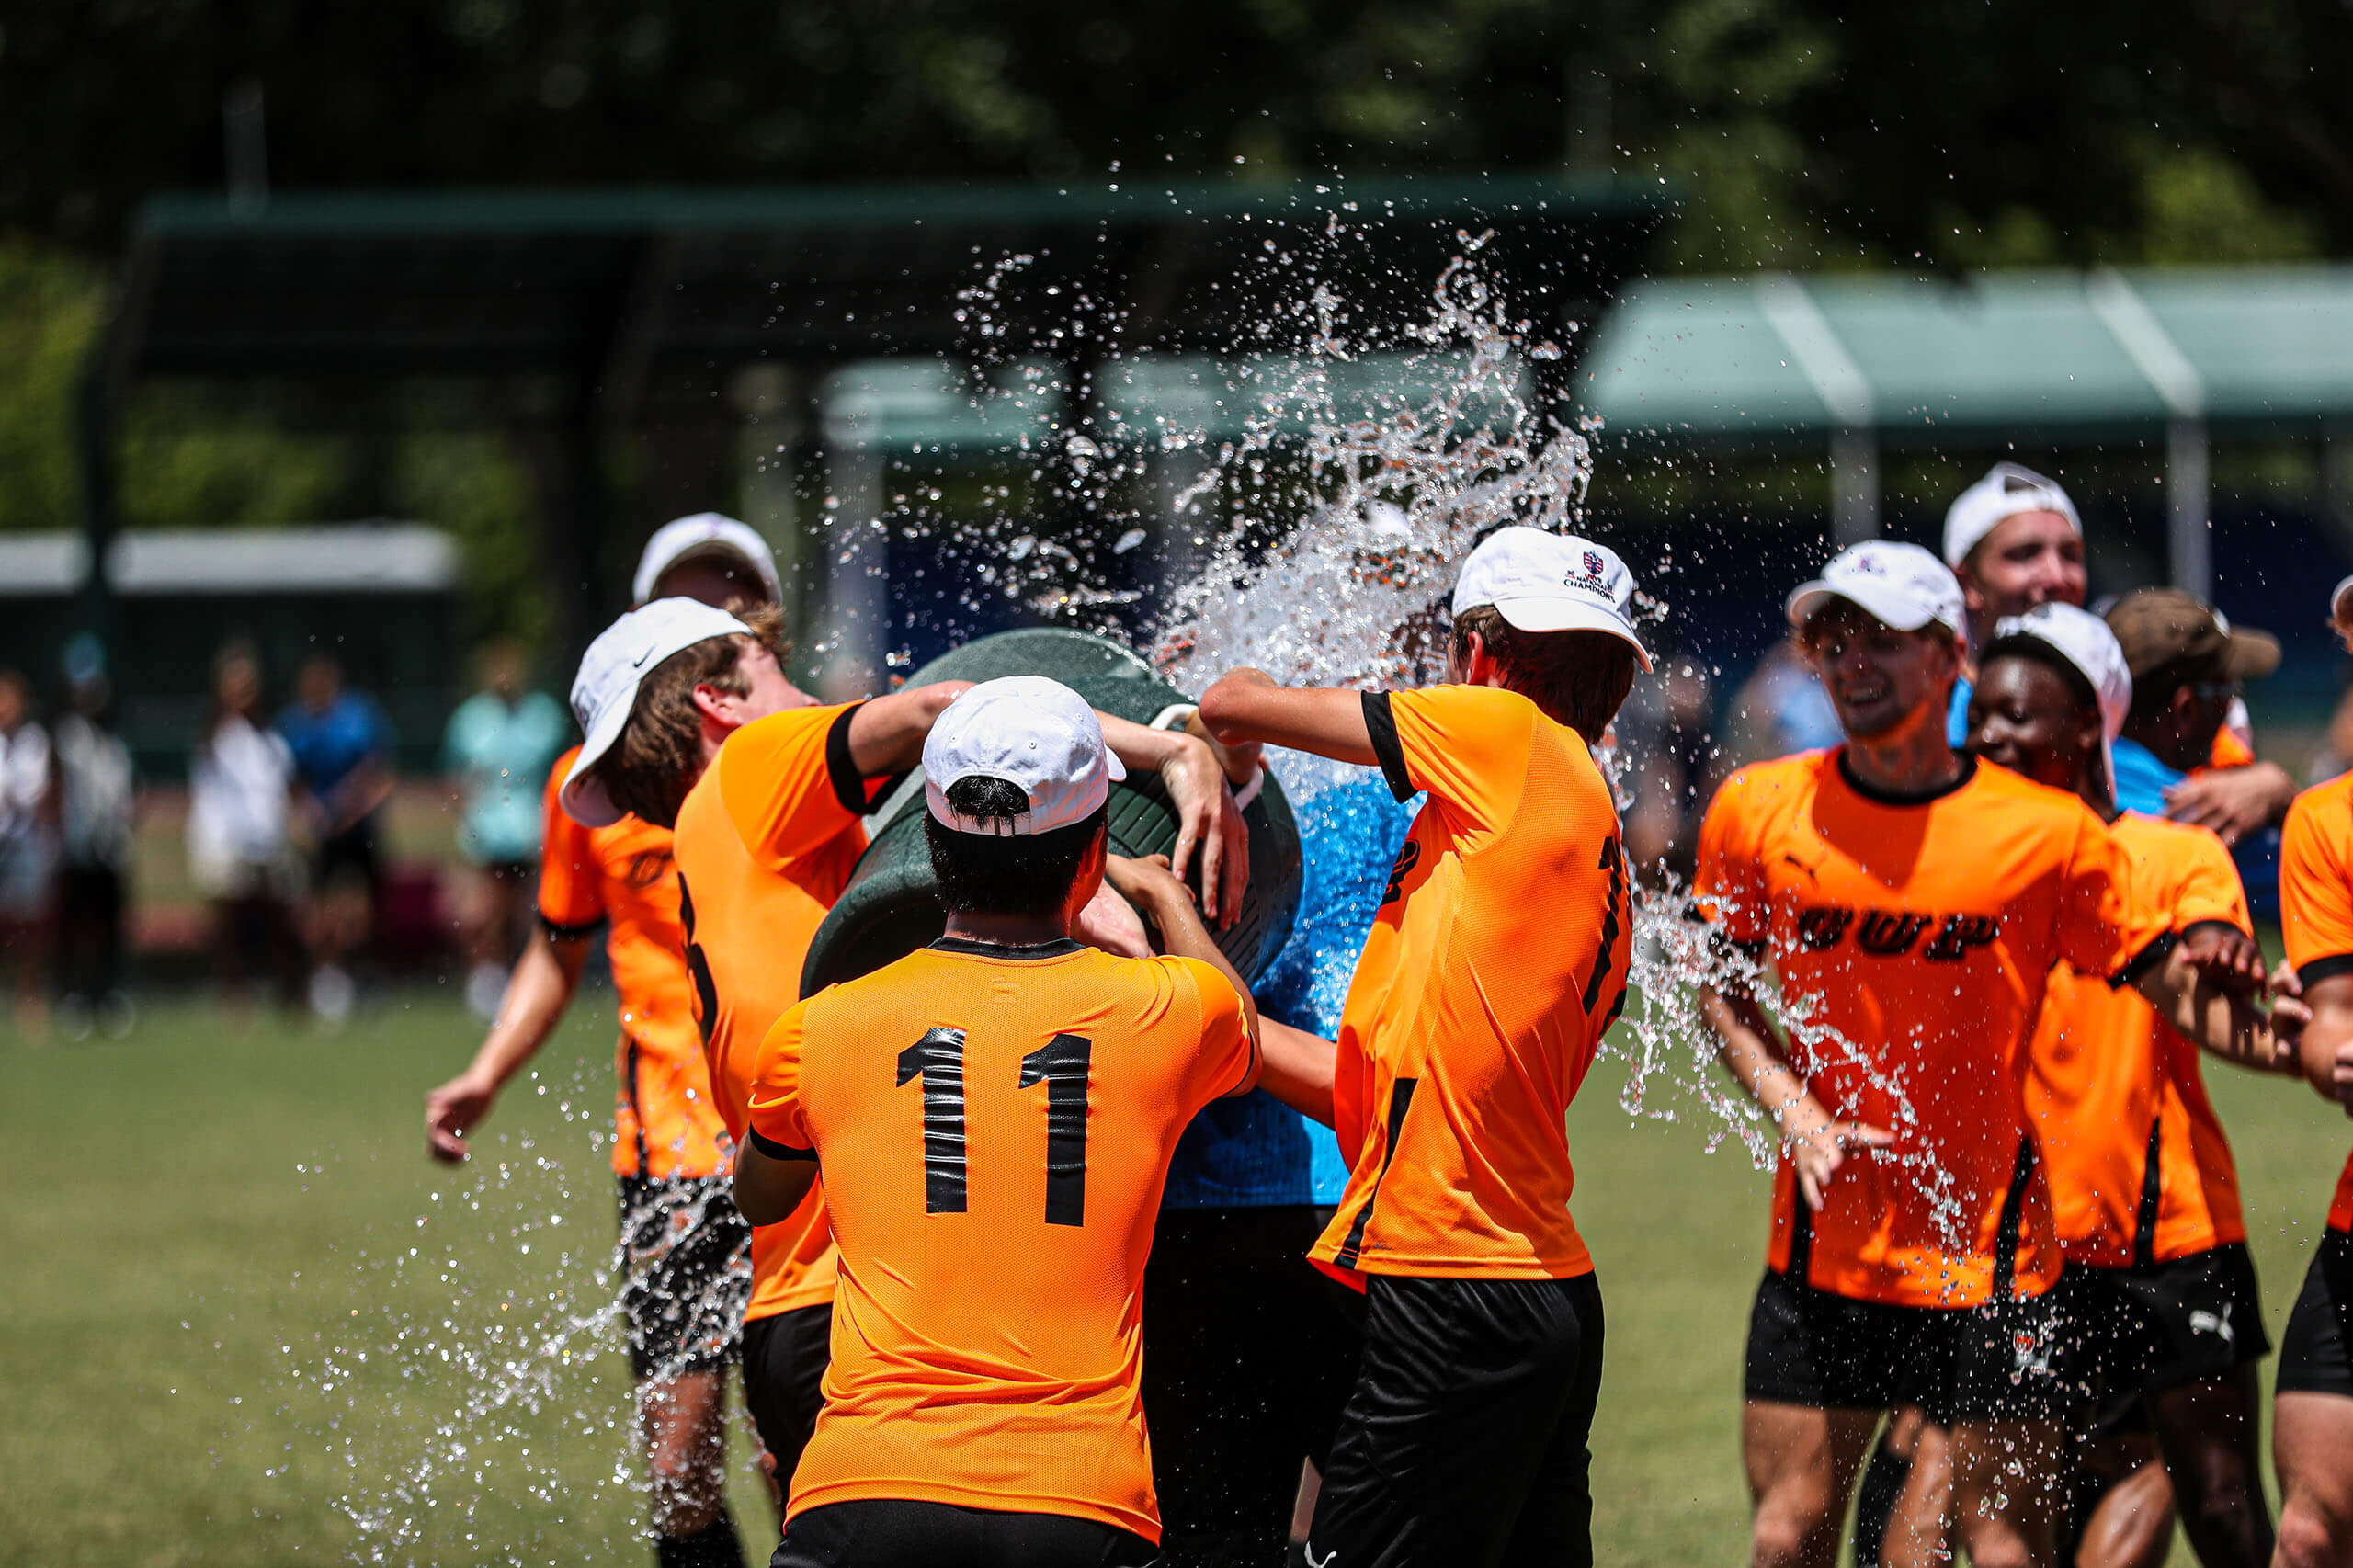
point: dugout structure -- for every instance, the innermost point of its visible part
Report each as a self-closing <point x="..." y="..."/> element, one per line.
<point x="621" y="318"/>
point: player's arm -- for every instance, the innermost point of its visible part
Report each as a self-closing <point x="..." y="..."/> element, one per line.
<point x="886" y="735"/>
<point x="1817" y="1140"/>
<point x="2207" y="988"/>
<point x="771" y="1181"/>
<point x="1247" y="708"/>
<point x="2233" y="802"/>
<point x="1206" y="814"/>
<point x="2326" y="1053"/>
<point x="536" y="993"/>
<point x="1149" y="885"/>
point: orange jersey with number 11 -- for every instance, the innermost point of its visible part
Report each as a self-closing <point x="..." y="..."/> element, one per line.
<point x="995" y="1126"/>
<point x="766" y="842"/>
<point x="2317" y="908"/>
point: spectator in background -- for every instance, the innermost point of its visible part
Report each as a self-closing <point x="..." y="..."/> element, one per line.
<point x="95" y="803"/>
<point x="1662" y="730"/>
<point x="28" y="849"/>
<point x="500" y="743"/>
<point x="342" y="755"/>
<point x="240" y="849"/>
<point x="2188" y="664"/>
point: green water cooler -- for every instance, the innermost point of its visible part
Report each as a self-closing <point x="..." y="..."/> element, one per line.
<point x="890" y="908"/>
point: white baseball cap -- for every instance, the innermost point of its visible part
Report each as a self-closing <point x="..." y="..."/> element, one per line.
<point x="1035" y="734"/>
<point x="605" y="691"/>
<point x="705" y="533"/>
<point x="2006" y="490"/>
<point x="1549" y="582"/>
<point x="1901" y="584"/>
<point x="2085" y="641"/>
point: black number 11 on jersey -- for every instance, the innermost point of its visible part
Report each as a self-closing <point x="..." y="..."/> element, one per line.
<point x="1060" y="1064"/>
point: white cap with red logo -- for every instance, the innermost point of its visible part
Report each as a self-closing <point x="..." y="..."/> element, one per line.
<point x="1547" y="582"/>
<point x="1900" y="584"/>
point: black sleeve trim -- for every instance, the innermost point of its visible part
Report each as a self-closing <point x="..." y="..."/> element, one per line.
<point x="2328" y="968"/>
<point x="1381" y="725"/>
<point x="2146" y="960"/>
<point x="849" y="784"/>
<point x="776" y="1151"/>
<point x="563" y="932"/>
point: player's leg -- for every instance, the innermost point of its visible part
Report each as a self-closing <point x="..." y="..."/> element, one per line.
<point x="784" y="1369"/>
<point x="1818" y="1372"/>
<point x="893" y="1533"/>
<point x="2211" y="1432"/>
<point x="1885" y="1476"/>
<point x="1461" y="1386"/>
<point x="1555" y="1524"/>
<point x="2004" y="1492"/>
<point x="1919" y="1524"/>
<point x="2120" y="1507"/>
<point x="2312" y="1418"/>
<point x="682" y="1420"/>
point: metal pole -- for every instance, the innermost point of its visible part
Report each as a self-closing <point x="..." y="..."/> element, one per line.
<point x="2189" y="531"/>
<point x="1854" y="486"/>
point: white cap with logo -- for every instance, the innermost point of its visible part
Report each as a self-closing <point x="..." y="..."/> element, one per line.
<point x="2006" y="490"/>
<point x="1035" y="735"/>
<point x="605" y="691"/>
<point x="1901" y="584"/>
<point x="1548" y="582"/>
<point x="2085" y="641"/>
<point x="704" y="534"/>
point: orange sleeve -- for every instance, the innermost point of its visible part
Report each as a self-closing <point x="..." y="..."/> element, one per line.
<point x="777" y="1126"/>
<point x="2315" y="892"/>
<point x="1728" y="884"/>
<point x="2229" y="750"/>
<point x="2102" y="929"/>
<point x="2210" y="887"/>
<point x="788" y="780"/>
<point x="1228" y="1057"/>
<point x="1467" y="745"/>
<point x="572" y="894"/>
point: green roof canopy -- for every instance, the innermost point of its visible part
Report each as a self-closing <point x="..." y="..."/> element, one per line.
<point x="2054" y="355"/>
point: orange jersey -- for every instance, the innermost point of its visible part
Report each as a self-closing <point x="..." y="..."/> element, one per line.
<point x="663" y="1120"/>
<point x="2316" y="907"/>
<point x="1915" y="940"/>
<point x="995" y="1126"/>
<point x="766" y="841"/>
<point x="1495" y="962"/>
<point x="2139" y="1166"/>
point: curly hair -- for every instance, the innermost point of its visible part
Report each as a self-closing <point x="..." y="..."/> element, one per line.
<point x="658" y="756"/>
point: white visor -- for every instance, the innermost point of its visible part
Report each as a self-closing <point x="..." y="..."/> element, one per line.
<point x="605" y="691"/>
<point x="1035" y="735"/>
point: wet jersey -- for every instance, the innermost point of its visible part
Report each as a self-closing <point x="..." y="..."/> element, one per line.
<point x="1915" y="940"/>
<point x="2317" y="908"/>
<point x="1495" y="961"/>
<point x="766" y="841"/>
<point x="995" y="1126"/>
<point x="2140" y="1169"/>
<point x="665" y="1123"/>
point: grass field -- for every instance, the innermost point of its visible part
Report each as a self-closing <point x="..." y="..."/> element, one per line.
<point x="248" y="1324"/>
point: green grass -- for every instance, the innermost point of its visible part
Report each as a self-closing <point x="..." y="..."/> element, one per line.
<point x="218" y="1347"/>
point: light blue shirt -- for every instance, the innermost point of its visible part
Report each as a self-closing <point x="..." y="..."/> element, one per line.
<point x="500" y="756"/>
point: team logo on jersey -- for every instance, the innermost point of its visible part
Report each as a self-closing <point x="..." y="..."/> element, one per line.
<point x="1407" y="858"/>
<point x="2030" y="1352"/>
<point x="1892" y="933"/>
<point x="2219" y="1325"/>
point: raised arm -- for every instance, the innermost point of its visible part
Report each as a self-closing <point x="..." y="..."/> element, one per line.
<point x="1246" y="706"/>
<point x="1817" y="1140"/>
<point x="886" y="735"/>
<point x="1207" y="817"/>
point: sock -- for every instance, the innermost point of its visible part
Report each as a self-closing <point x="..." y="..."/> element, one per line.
<point x="1883" y="1480"/>
<point x="714" y="1546"/>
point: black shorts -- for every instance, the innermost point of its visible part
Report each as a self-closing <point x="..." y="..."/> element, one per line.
<point x="1249" y="1351"/>
<point x="686" y="1259"/>
<point x="2008" y="1361"/>
<point x="2316" y="1351"/>
<point x="898" y="1534"/>
<point x="2158" y="1325"/>
<point x="1463" y="1442"/>
<point x="784" y="1365"/>
<point x="353" y="851"/>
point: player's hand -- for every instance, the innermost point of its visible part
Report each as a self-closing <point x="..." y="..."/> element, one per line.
<point x="1148" y="882"/>
<point x="2223" y="956"/>
<point x="1109" y="922"/>
<point x="1819" y="1155"/>
<point x="451" y="1111"/>
<point x="2233" y="801"/>
<point x="1208" y="820"/>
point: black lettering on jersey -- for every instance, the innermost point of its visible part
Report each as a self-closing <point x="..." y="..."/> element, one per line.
<point x="1959" y="933"/>
<point x="1614" y="863"/>
<point x="1407" y="858"/>
<point x="1822" y="928"/>
<point x="648" y="866"/>
<point x="1889" y="933"/>
<point x="697" y="967"/>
